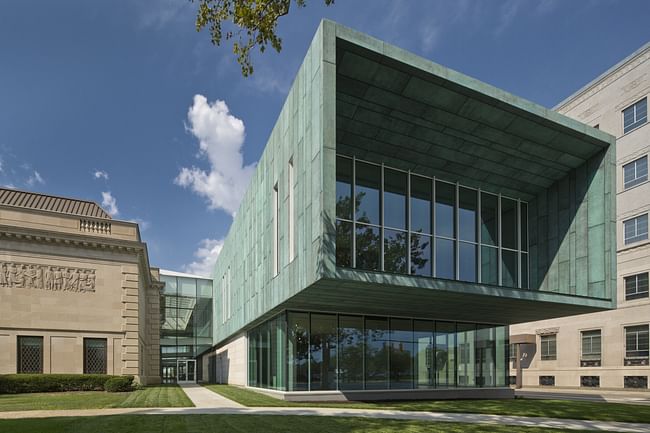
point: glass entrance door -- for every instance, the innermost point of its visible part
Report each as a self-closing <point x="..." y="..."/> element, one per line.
<point x="186" y="371"/>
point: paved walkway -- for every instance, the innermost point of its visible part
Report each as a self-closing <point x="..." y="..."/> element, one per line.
<point x="202" y="397"/>
<point x="609" y="396"/>
<point x="215" y="404"/>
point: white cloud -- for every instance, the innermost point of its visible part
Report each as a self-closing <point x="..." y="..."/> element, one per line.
<point x="109" y="203"/>
<point x="35" y="178"/>
<point x="159" y="13"/>
<point x="221" y="137"/>
<point x="100" y="174"/>
<point x="143" y="224"/>
<point x="206" y="256"/>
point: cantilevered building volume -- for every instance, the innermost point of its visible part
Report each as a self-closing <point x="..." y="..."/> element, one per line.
<point x="401" y="217"/>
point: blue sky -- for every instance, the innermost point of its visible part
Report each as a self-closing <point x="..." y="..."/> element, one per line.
<point x="118" y="101"/>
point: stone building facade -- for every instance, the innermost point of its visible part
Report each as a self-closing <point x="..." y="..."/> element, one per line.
<point x="607" y="349"/>
<point x="77" y="294"/>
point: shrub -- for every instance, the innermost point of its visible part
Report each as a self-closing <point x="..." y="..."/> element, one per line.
<point x="119" y="384"/>
<point x="24" y="383"/>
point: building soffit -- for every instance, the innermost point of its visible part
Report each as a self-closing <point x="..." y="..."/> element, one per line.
<point x="407" y="112"/>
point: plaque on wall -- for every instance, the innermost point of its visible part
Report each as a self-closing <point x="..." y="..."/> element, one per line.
<point x="45" y="277"/>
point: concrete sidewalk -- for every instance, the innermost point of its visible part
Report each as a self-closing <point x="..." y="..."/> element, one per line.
<point x="202" y="397"/>
<point x="598" y="395"/>
<point x="515" y="421"/>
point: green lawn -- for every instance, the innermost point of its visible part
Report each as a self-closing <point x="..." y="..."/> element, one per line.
<point x="523" y="407"/>
<point x="243" y="424"/>
<point x="153" y="396"/>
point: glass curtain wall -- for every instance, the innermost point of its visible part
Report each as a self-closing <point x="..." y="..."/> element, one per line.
<point x="186" y="321"/>
<point x="395" y="221"/>
<point x="302" y="351"/>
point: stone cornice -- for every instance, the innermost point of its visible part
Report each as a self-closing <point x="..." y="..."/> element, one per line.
<point x="604" y="80"/>
<point x="84" y="241"/>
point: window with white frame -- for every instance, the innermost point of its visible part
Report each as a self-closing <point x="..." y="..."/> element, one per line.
<point x="591" y="345"/>
<point x="635" y="115"/>
<point x="636" y="286"/>
<point x="636" y="341"/>
<point x="635" y="172"/>
<point x="636" y="229"/>
<point x="548" y="347"/>
<point x="291" y="231"/>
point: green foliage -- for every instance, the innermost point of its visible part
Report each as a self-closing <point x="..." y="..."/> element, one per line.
<point x="255" y="21"/>
<point x="209" y="423"/>
<point x="150" y="396"/>
<point x="21" y="383"/>
<point x="119" y="384"/>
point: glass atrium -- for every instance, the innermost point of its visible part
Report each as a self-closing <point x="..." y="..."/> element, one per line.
<point x="186" y="325"/>
<point x="302" y="351"/>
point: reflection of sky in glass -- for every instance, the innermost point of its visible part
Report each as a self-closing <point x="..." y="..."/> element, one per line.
<point x="445" y="199"/>
<point x="467" y="262"/>
<point x="445" y="259"/>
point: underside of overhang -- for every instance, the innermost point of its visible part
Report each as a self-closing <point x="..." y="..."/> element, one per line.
<point x="494" y="306"/>
<point x="390" y="112"/>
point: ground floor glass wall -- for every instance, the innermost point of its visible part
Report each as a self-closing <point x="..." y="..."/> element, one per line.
<point x="302" y="351"/>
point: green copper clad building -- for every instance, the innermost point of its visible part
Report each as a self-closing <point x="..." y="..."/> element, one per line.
<point x="400" y="218"/>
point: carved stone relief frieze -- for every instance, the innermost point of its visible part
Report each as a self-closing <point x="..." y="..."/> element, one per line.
<point x="45" y="277"/>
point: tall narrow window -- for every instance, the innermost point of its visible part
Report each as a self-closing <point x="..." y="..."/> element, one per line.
<point x="292" y="240"/>
<point x="276" y="230"/>
<point x="635" y="115"/>
<point x="344" y="206"/>
<point x="489" y="232"/>
<point x="30" y="355"/>
<point x="228" y="294"/>
<point x="445" y="226"/>
<point x="636" y="229"/>
<point x="548" y="345"/>
<point x="95" y="356"/>
<point x="591" y="348"/>
<point x="224" y="295"/>
<point x="635" y="172"/>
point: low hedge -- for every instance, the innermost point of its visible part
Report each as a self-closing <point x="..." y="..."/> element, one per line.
<point x="119" y="384"/>
<point x="24" y="383"/>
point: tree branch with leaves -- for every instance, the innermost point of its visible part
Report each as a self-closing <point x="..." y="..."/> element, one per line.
<point x="254" y="22"/>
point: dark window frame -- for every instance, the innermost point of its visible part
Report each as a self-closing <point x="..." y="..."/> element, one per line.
<point x="19" y="354"/>
<point x="85" y="349"/>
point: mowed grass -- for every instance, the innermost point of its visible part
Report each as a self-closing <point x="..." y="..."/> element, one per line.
<point x="153" y="396"/>
<point x="245" y="424"/>
<point x="566" y="409"/>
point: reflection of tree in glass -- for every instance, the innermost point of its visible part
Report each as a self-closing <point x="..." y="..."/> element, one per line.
<point x="376" y="355"/>
<point x="300" y="339"/>
<point x="350" y="356"/>
<point x="344" y="244"/>
<point x="323" y="358"/>
<point x="367" y="244"/>
<point x="400" y="361"/>
<point x="419" y="252"/>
